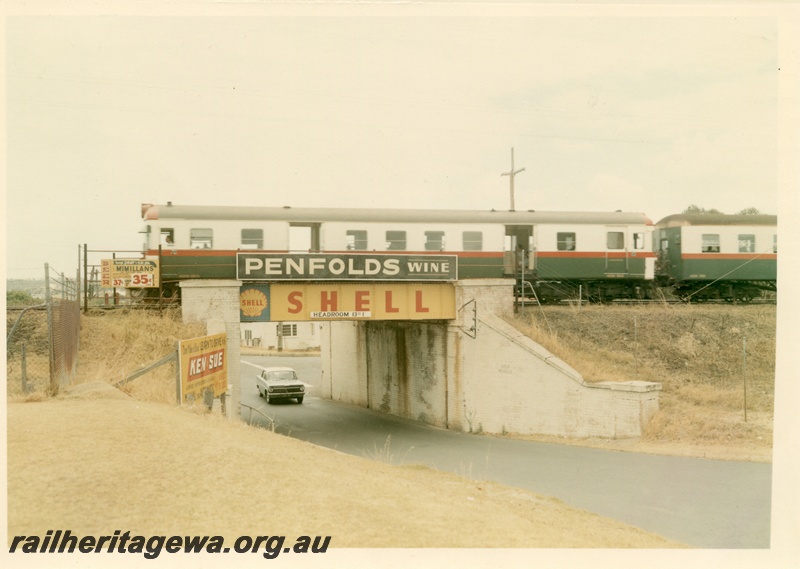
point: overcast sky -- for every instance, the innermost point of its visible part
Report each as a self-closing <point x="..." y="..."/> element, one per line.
<point x="387" y="107"/>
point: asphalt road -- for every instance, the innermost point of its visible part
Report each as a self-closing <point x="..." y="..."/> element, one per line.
<point x="698" y="502"/>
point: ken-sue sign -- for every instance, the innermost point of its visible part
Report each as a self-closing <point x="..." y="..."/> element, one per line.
<point x="345" y="267"/>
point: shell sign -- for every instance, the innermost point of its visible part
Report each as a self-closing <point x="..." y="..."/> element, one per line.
<point x="365" y="301"/>
<point x="254" y="304"/>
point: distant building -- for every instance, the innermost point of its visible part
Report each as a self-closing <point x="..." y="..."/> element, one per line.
<point x="283" y="335"/>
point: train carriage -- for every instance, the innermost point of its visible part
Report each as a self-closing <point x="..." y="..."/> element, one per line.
<point x="717" y="256"/>
<point x="600" y="258"/>
<point x="557" y="254"/>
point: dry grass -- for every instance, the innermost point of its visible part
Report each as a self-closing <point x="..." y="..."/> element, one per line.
<point x="695" y="352"/>
<point x="200" y="474"/>
<point x="112" y="345"/>
<point x="116" y="344"/>
<point x="31" y="331"/>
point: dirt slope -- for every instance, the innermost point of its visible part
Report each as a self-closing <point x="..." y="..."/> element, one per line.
<point x="103" y="462"/>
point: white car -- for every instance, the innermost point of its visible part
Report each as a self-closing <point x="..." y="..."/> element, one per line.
<point x="280" y="383"/>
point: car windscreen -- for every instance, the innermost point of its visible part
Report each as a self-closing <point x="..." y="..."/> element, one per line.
<point x="281" y="375"/>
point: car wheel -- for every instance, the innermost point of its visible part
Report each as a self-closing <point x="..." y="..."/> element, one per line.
<point x="299" y="399"/>
<point x="259" y="392"/>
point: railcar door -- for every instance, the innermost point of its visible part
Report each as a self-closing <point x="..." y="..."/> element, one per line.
<point x="304" y="237"/>
<point x="518" y="250"/>
<point x="616" y="252"/>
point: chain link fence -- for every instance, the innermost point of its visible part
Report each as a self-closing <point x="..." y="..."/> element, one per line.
<point x="42" y="337"/>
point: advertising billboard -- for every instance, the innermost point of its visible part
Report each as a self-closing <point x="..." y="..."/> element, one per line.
<point x="204" y="365"/>
<point x="366" y="301"/>
<point x="345" y="267"/>
<point x="129" y="273"/>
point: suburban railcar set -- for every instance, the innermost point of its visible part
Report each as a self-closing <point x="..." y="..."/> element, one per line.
<point x="553" y="255"/>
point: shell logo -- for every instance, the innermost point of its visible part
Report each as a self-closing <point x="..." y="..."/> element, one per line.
<point x="252" y="302"/>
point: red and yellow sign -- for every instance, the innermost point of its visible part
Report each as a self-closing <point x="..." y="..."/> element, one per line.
<point x="204" y="365"/>
<point x="129" y="273"/>
<point x="366" y="301"/>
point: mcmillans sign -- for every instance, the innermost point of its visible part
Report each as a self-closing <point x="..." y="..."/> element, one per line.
<point x="345" y="267"/>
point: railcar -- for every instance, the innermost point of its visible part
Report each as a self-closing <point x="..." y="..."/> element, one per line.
<point x="716" y="256"/>
<point x="553" y="255"/>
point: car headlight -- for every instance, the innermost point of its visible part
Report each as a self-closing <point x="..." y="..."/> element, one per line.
<point x="302" y="388"/>
<point x="270" y="389"/>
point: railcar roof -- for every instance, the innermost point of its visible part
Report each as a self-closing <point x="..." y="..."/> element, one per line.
<point x="320" y="215"/>
<point x="682" y="219"/>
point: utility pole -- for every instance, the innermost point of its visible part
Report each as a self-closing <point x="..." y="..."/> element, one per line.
<point x="511" y="175"/>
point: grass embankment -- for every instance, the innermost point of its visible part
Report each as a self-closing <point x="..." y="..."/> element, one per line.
<point x="96" y="459"/>
<point x="113" y="345"/>
<point x="701" y="355"/>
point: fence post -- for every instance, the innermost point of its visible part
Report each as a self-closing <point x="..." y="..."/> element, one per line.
<point x="48" y="299"/>
<point x="744" y="374"/>
<point x="24" y="369"/>
<point x="635" y="348"/>
<point x="85" y="280"/>
<point x="178" y="373"/>
<point x="77" y="313"/>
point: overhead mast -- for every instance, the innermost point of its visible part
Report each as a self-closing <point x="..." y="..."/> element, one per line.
<point x="511" y="175"/>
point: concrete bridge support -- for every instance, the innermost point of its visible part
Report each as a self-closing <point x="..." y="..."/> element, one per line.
<point x="216" y="302"/>
<point x="476" y="374"/>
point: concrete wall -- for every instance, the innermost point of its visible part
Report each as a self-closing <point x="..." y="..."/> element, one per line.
<point x="406" y="365"/>
<point x="497" y="382"/>
<point x="216" y="302"/>
<point x="344" y="357"/>
<point x="512" y="384"/>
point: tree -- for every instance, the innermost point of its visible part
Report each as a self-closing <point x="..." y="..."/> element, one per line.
<point x="19" y="298"/>
<point x="697" y="209"/>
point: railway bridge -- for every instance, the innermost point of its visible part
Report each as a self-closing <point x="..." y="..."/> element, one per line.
<point x="402" y="335"/>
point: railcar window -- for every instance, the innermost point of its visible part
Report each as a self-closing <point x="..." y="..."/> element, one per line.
<point x="747" y="243"/>
<point x="201" y="238"/>
<point x="565" y="241"/>
<point x="473" y="240"/>
<point x="710" y="243"/>
<point x="356" y="240"/>
<point x="434" y="240"/>
<point x="167" y="237"/>
<point x="252" y="238"/>
<point x="615" y="240"/>
<point x="395" y="240"/>
<point x="775" y="244"/>
<point x="638" y="241"/>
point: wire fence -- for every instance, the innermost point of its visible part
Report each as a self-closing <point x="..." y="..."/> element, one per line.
<point x="42" y="336"/>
